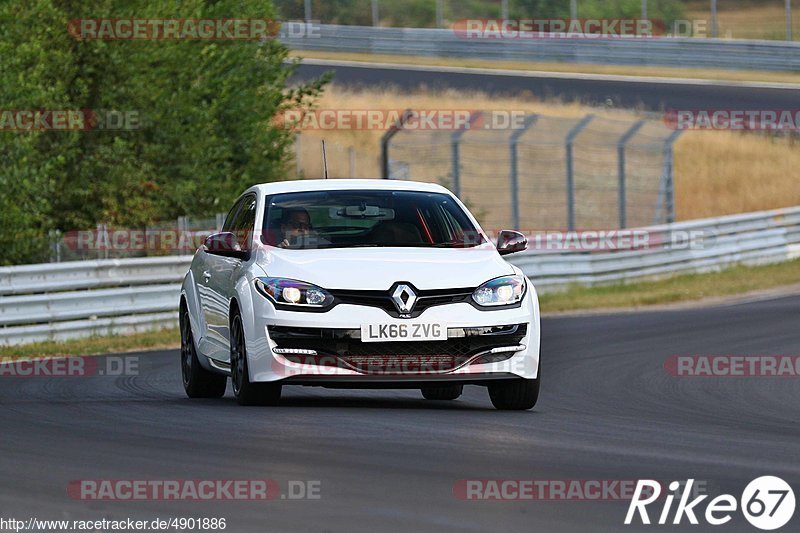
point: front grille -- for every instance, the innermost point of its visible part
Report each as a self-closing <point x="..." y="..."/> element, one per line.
<point x="383" y="299"/>
<point x="343" y="348"/>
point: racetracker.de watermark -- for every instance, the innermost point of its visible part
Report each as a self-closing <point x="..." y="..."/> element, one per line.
<point x="554" y="489"/>
<point x="190" y="29"/>
<point x="125" y="240"/>
<point x="28" y="120"/>
<point x="733" y="366"/>
<point x="577" y="28"/>
<point x="70" y="367"/>
<point x="193" y="489"/>
<point x="411" y="119"/>
<point x="779" y="120"/>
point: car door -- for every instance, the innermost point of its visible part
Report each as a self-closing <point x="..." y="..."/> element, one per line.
<point x="223" y="273"/>
<point x="202" y="268"/>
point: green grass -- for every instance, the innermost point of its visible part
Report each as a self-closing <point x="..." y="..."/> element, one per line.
<point x="151" y="340"/>
<point x="736" y="280"/>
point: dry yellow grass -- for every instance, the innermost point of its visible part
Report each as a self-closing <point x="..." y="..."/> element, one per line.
<point x="716" y="172"/>
<point x="747" y="19"/>
<point x="722" y="172"/>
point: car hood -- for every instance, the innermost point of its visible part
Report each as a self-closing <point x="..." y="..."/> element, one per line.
<point x="380" y="268"/>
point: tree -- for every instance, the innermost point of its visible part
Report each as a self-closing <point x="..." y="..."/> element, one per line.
<point x="206" y="110"/>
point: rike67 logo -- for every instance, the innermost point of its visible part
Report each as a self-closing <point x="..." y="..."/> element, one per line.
<point x="767" y="503"/>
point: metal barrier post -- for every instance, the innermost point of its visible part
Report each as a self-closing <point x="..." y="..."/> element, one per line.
<point x="455" y="152"/>
<point x="514" y="176"/>
<point x="666" y="189"/>
<point x="387" y="137"/>
<point x="714" y="28"/>
<point x="570" y="171"/>
<point x="623" y="200"/>
<point x="670" y="182"/>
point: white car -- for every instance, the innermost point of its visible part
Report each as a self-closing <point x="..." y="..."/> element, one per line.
<point x="358" y="284"/>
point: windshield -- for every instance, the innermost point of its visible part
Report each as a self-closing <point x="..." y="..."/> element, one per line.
<point x="344" y="219"/>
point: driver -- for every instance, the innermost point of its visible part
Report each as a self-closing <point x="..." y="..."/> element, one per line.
<point x="297" y="231"/>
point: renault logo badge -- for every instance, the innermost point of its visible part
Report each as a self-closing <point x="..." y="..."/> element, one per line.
<point x="404" y="298"/>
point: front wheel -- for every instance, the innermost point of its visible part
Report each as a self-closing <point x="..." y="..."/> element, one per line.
<point x="245" y="391"/>
<point x="197" y="381"/>
<point x="515" y="395"/>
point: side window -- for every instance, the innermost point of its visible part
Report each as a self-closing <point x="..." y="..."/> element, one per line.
<point x="229" y="220"/>
<point x="245" y="221"/>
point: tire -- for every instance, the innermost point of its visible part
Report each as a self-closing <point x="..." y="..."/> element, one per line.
<point x="516" y="395"/>
<point x="245" y="391"/>
<point x="442" y="392"/>
<point x="197" y="381"/>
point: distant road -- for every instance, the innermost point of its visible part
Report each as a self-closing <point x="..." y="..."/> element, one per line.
<point x="647" y="93"/>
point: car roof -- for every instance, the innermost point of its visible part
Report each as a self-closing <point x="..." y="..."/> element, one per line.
<point x="347" y="184"/>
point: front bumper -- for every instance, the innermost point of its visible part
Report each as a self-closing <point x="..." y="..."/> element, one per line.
<point x="325" y="348"/>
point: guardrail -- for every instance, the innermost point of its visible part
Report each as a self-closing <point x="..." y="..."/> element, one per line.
<point x="59" y="301"/>
<point x="660" y="52"/>
<point x="80" y="299"/>
<point x="749" y="239"/>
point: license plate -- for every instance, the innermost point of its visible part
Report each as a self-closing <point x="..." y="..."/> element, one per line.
<point x="403" y="332"/>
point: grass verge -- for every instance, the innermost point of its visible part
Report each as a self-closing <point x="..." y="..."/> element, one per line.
<point x="736" y="280"/>
<point x="684" y="288"/>
<point x="150" y="340"/>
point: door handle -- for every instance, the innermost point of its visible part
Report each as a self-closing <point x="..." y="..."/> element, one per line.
<point x="207" y="275"/>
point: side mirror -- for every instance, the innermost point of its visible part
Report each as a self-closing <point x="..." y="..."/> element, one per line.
<point x="509" y="242"/>
<point x="225" y="244"/>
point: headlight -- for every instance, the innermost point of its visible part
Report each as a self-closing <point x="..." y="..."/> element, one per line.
<point x="507" y="290"/>
<point x="284" y="291"/>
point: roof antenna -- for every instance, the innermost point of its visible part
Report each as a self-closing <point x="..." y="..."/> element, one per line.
<point x="324" y="159"/>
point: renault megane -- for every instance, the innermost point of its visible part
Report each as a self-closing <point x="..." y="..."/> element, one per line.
<point x="358" y="284"/>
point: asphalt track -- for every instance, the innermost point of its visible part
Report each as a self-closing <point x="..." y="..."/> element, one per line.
<point x="388" y="460"/>
<point x="647" y="94"/>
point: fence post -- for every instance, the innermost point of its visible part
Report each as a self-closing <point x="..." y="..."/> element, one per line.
<point x="789" y="20"/>
<point x="530" y="120"/>
<point x="504" y="9"/>
<point x="644" y="9"/>
<point x="714" y="18"/>
<point x="670" y="182"/>
<point x="455" y="152"/>
<point x="387" y="137"/>
<point x="297" y="162"/>
<point x="439" y="14"/>
<point x="573" y="9"/>
<point x="376" y="21"/>
<point x="55" y="246"/>
<point x="220" y="221"/>
<point x="666" y="189"/>
<point x="102" y="236"/>
<point x="623" y="200"/>
<point x="308" y="10"/>
<point x="570" y="171"/>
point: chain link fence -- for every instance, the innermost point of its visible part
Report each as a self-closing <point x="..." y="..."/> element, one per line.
<point x="553" y="173"/>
